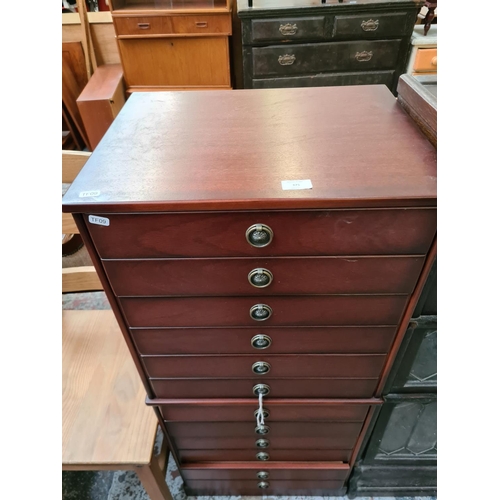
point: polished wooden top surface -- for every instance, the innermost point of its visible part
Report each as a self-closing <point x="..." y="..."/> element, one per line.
<point x="218" y="150"/>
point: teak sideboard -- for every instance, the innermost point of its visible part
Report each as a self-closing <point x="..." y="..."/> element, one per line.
<point x="262" y="244"/>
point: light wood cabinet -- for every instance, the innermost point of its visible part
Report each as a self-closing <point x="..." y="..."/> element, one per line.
<point x="174" y="45"/>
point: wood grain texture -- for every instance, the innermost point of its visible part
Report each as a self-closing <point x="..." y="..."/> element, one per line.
<point x="197" y="24"/>
<point x="418" y="97"/>
<point x="280" y="388"/>
<point x="354" y="160"/>
<point x="105" y="420"/>
<point x="291" y="276"/>
<point x="175" y="62"/>
<point x="296" y="233"/>
<point x="292" y="340"/>
<point x="330" y="310"/>
<point x="288" y="365"/>
<point x="219" y="455"/>
<point x="234" y="410"/>
<point x="101" y="100"/>
<point x="310" y="472"/>
<point x="68" y="225"/>
<point x="242" y="487"/>
<point x="72" y="163"/>
<point x="80" y="279"/>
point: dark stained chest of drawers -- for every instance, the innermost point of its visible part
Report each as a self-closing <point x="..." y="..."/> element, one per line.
<point x="226" y="285"/>
<point x="304" y="43"/>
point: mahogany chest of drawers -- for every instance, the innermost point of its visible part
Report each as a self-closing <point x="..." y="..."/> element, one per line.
<point x="304" y="43"/>
<point x="261" y="245"/>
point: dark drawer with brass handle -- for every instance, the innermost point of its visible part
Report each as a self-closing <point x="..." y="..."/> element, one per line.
<point x="317" y="310"/>
<point x="175" y="388"/>
<point x="276" y="340"/>
<point x="299" y="233"/>
<point x="273" y="275"/>
<point x="324" y="57"/>
<point x="296" y="28"/>
<point x="328" y="472"/>
<point x="275" y="410"/>
<point x="276" y="365"/>
<point x="258" y="488"/>
<point x="372" y="25"/>
<point x="216" y="455"/>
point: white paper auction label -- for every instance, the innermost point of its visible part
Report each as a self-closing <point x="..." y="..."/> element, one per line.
<point x="89" y="194"/>
<point x="100" y="221"/>
<point x="302" y="184"/>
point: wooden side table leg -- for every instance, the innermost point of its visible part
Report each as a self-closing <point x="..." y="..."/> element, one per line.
<point x="152" y="478"/>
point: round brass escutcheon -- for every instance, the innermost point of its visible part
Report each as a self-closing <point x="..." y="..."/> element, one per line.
<point x="260" y="312"/>
<point x="262" y="429"/>
<point x="265" y="412"/>
<point x="262" y="443"/>
<point x="259" y="235"/>
<point x="261" y="368"/>
<point x="262" y="455"/>
<point x="263" y="474"/>
<point x="261" y="341"/>
<point x="260" y="278"/>
<point x="263" y="389"/>
<point x="263" y="484"/>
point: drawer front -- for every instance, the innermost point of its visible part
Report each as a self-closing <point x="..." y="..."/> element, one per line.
<point x="335" y="232"/>
<point x="315" y="340"/>
<point x="320" y="57"/>
<point x="327" y="80"/>
<point x="141" y="26"/>
<point x="186" y="61"/>
<point x="248" y="441"/>
<point x="315" y="275"/>
<point x="275" y="412"/>
<point x="279" y="388"/>
<point x="425" y="60"/>
<point x="251" y="488"/>
<point x="373" y="25"/>
<point x="329" y="310"/>
<point x="296" y="28"/>
<point x="189" y="456"/>
<point x="289" y="365"/>
<point x="171" y="25"/>
<point x="190" y="473"/>
<point x="202" y="24"/>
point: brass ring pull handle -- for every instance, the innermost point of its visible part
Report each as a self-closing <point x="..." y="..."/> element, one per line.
<point x="261" y="341"/>
<point x="259" y="235"/>
<point x="262" y="443"/>
<point x="260" y="278"/>
<point x="262" y="430"/>
<point x="262" y="455"/>
<point x="261" y="368"/>
<point x="143" y="26"/>
<point x="286" y="59"/>
<point x="288" y="29"/>
<point x="263" y="474"/>
<point x="369" y="25"/>
<point x="263" y="484"/>
<point x="363" y="56"/>
<point x="263" y="389"/>
<point x="265" y="412"/>
<point x="260" y="312"/>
